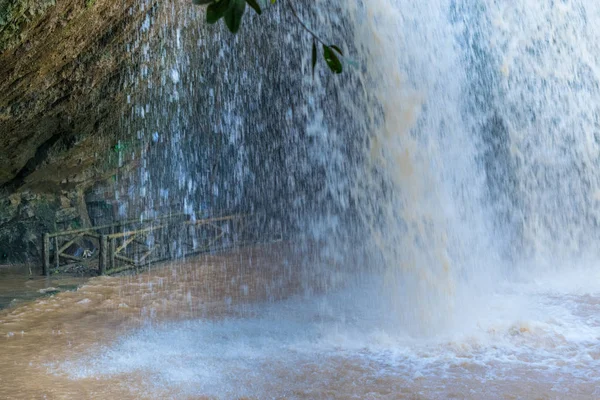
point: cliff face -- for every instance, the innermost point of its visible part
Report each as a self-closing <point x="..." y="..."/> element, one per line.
<point x="63" y="70"/>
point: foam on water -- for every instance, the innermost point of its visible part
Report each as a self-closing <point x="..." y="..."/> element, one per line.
<point x="543" y="330"/>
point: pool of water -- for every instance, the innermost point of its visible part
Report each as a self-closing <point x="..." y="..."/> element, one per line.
<point x="23" y="283"/>
<point x="240" y="325"/>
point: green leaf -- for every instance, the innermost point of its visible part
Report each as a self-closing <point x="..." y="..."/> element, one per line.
<point x="314" y="56"/>
<point x="337" y="49"/>
<point x="332" y="60"/>
<point x="202" y="2"/>
<point x="217" y="10"/>
<point x="233" y="16"/>
<point x="255" y="6"/>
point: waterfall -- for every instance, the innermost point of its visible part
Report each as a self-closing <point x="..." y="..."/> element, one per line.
<point x="486" y="144"/>
<point x="458" y="148"/>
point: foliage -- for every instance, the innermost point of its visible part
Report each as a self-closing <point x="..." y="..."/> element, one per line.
<point x="232" y="12"/>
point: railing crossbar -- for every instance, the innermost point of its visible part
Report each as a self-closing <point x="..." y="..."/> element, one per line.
<point x="131" y="246"/>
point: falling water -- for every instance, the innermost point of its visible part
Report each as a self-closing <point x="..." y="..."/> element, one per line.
<point x="356" y="162"/>
<point x="445" y="187"/>
<point x="448" y="153"/>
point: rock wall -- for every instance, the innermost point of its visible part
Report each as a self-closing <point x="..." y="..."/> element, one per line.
<point x="63" y="78"/>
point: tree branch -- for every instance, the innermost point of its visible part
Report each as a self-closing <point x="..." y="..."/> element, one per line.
<point x="306" y="28"/>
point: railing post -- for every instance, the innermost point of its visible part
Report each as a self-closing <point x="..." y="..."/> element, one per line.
<point x="111" y="252"/>
<point x="56" y="253"/>
<point x="46" y="254"/>
<point x="102" y="254"/>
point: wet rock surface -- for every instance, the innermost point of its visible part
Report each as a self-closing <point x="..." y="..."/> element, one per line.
<point x="63" y="69"/>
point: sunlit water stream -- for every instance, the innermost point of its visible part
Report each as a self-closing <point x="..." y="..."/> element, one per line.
<point x="450" y="178"/>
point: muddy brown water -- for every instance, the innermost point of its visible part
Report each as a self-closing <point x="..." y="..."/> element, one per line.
<point x="40" y="337"/>
<point x="22" y="283"/>
<point x="63" y="326"/>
